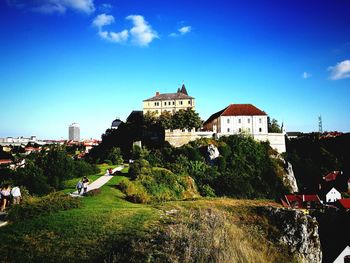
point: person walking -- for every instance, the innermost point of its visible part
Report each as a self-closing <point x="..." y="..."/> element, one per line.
<point x="16" y="195"/>
<point x="80" y="186"/>
<point x="5" y="196"/>
<point x="85" y="184"/>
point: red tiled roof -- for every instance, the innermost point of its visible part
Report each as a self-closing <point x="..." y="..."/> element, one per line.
<point x="345" y="202"/>
<point x="331" y="176"/>
<point x="301" y="198"/>
<point x="5" y="161"/>
<point x="242" y="110"/>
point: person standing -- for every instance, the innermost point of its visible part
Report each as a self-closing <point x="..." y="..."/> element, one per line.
<point x="85" y="183"/>
<point x="5" y="196"/>
<point x="16" y="195"/>
<point x="80" y="186"/>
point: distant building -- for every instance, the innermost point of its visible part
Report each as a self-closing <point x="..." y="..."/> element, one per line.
<point x="301" y="201"/>
<point x="74" y="132"/>
<point x="116" y="123"/>
<point x="19" y="141"/>
<point x="244" y="119"/>
<point x="332" y="176"/>
<point x="238" y="118"/>
<point x="170" y="102"/>
<point x="333" y="195"/>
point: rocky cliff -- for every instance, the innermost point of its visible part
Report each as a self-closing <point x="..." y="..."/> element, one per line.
<point x="289" y="179"/>
<point x="296" y="231"/>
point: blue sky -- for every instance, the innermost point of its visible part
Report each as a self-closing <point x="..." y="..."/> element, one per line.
<point x="89" y="61"/>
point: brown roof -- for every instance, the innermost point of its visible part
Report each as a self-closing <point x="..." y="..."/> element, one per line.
<point x="170" y="96"/>
<point x="242" y="110"/>
<point x="237" y="110"/>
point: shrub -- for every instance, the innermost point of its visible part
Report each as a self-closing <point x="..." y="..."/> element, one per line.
<point x="35" y="206"/>
<point x="206" y="190"/>
<point x="134" y="192"/>
<point x="93" y="192"/>
<point x="109" y="162"/>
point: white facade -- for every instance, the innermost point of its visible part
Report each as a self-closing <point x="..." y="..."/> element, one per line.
<point x="242" y="124"/>
<point x="333" y="195"/>
<point x="341" y="257"/>
<point x="74" y="132"/>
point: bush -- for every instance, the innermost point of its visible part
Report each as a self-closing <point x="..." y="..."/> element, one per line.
<point x="35" y="206"/>
<point x="109" y="162"/>
<point x="134" y="192"/>
<point x="93" y="192"/>
<point x="206" y="190"/>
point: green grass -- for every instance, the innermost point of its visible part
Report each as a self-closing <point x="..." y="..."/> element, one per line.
<point x="81" y="234"/>
<point x="107" y="222"/>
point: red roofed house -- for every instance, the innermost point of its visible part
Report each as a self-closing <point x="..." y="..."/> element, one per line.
<point x="246" y="119"/>
<point x="332" y="176"/>
<point x="5" y="161"/>
<point x="301" y="201"/>
<point x="345" y="203"/>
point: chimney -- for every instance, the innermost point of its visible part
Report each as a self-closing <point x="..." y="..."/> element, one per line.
<point x="157" y="93"/>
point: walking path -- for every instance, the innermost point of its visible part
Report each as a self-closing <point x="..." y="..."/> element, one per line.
<point x="99" y="182"/>
<point x="94" y="185"/>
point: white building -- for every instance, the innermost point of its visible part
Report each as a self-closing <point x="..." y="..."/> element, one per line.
<point x="74" y="132"/>
<point x="333" y="195"/>
<point x="344" y="256"/>
<point x="244" y="119"/>
<point x="170" y="102"/>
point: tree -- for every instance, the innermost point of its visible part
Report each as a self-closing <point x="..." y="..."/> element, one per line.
<point x="115" y="155"/>
<point x="273" y="126"/>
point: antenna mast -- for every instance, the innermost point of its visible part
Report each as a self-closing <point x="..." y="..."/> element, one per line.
<point x="320" y="130"/>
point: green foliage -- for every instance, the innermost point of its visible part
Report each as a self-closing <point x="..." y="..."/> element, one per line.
<point x="138" y="167"/>
<point x="115" y="155"/>
<point x="159" y="185"/>
<point x="93" y="192"/>
<point x="46" y="171"/>
<point x="182" y="119"/>
<point x="273" y="126"/>
<point x="35" y="206"/>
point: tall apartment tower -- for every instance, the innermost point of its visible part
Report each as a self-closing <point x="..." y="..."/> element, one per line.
<point x="74" y="132"/>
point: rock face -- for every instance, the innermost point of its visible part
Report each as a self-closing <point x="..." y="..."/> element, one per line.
<point x="213" y="152"/>
<point x="299" y="232"/>
<point x="289" y="179"/>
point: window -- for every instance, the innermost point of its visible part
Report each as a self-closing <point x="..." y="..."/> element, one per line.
<point x="260" y="129"/>
<point x="239" y="120"/>
<point x="156" y="111"/>
<point x="248" y="120"/>
<point x="180" y="102"/>
<point x="228" y="129"/>
<point x="239" y="130"/>
<point x="173" y="102"/>
<point x="189" y="102"/>
<point x="228" y="120"/>
<point x="259" y="120"/>
<point x="164" y="103"/>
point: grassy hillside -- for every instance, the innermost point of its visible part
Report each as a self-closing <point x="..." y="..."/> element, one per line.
<point x="108" y="228"/>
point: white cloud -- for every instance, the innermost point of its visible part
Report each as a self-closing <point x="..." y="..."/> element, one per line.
<point x="114" y="37"/>
<point x="103" y="20"/>
<point x="306" y="75"/>
<point x="142" y="33"/>
<point x="340" y="71"/>
<point x="55" y="6"/>
<point x="181" y="31"/>
<point x="184" y="30"/>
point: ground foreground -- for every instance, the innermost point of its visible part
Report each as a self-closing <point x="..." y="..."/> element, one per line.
<point x="106" y="228"/>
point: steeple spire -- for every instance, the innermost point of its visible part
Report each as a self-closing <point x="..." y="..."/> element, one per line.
<point x="183" y="89"/>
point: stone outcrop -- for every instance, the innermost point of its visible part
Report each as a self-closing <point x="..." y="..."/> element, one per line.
<point x="289" y="179"/>
<point x="298" y="232"/>
<point x="213" y="152"/>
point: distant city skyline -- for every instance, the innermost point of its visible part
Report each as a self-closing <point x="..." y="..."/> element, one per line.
<point x="89" y="61"/>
